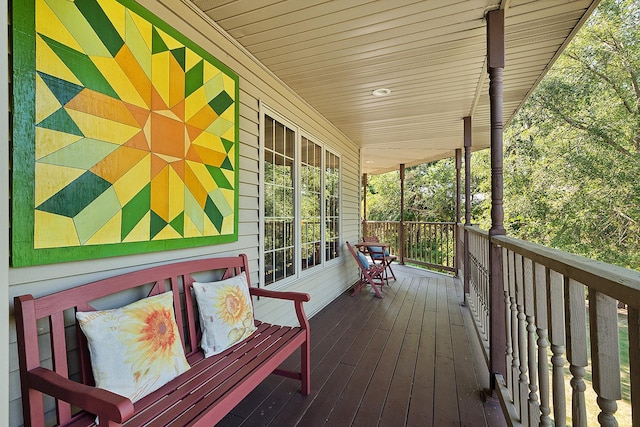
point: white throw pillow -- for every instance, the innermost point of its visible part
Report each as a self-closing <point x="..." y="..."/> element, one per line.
<point x="226" y="313"/>
<point x="135" y="349"/>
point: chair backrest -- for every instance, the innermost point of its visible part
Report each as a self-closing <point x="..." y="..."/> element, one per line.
<point x="376" y="252"/>
<point x="362" y="265"/>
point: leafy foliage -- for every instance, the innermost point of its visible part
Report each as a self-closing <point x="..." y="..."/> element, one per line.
<point x="571" y="155"/>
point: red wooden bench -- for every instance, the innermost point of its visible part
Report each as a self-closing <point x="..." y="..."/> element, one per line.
<point x="201" y="396"/>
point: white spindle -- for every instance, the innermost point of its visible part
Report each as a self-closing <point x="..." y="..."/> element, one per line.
<point x="541" y="280"/>
<point x="555" y="311"/>
<point x="603" y="318"/>
<point x="523" y="380"/>
<point x="510" y="324"/>
<point x="533" y="418"/>
<point x="576" y="324"/>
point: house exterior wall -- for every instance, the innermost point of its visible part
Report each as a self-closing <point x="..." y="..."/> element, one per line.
<point x="256" y="85"/>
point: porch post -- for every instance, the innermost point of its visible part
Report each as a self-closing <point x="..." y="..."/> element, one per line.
<point x="467" y="203"/>
<point x="456" y="230"/>
<point x="401" y="224"/>
<point x="364" y="203"/>
<point x="495" y="66"/>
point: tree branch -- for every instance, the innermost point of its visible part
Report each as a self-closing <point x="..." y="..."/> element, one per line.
<point x="605" y="78"/>
<point x="590" y="129"/>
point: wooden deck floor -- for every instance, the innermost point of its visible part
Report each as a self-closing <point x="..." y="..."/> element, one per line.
<point x="405" y="360"/>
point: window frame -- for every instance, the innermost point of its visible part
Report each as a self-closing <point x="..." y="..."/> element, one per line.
<point x="299" y="133"/>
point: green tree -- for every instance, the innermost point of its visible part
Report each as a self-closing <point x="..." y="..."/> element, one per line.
<point x="571" y="155"/>
<point x="572" y="174"/>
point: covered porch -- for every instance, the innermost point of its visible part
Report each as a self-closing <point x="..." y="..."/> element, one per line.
<point x="514" y="320"/>
<point x="411" y="358"/>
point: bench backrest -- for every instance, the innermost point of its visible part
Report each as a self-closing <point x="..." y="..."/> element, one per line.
<point x="57" y="311"/>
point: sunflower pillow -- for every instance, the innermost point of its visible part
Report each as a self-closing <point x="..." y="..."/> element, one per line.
<point x="226" y="313"/>
<point x="135" y="349"/>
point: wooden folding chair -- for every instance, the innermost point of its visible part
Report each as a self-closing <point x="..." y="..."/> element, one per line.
<point x="373" y="274"/>
<point x="380" y="255"/>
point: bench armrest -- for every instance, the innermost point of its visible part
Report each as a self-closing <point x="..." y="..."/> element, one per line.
<point x="293" y="296"/>
<point x="297" y="297"/>
<point x="105" y="404"/>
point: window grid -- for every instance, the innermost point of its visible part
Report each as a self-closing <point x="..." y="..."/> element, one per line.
<point x="279" y="196"/>
<point x="300" y="201"/>
<point x="332" y="205"/>
<point x="310" y="203"/>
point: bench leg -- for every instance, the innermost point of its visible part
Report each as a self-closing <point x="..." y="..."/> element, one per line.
<point x="305" y="366"/>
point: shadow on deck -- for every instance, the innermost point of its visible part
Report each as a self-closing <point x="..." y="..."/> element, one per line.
<point x="410" y="359"/>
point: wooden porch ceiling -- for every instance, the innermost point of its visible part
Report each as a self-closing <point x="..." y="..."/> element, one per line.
<point x="409" y="359"/>
<point x="429" y="53"/>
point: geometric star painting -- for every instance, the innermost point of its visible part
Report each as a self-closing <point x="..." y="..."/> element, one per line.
<point x="125" y="135"/>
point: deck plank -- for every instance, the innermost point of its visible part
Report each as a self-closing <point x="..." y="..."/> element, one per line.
<point x="397" y="405"/>
<point x="445" y="406"/>
<point x="421" y="405"/>
<point x="367" y="350"/>
<point x="324" y="368"/>
<point x="407" y="359"/>
<point x="468" y="389"/>
<point x="376" y="394"/>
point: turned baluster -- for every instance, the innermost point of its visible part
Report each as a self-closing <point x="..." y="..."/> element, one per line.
<point x="523" y="379"/>
<point x="540" y="296"/>
<point x="576" y="324"/>
<point x="508" y="300"/>
<point x="605" y="355"/>
<point x="555" y="309"/>
<point x="529" y="309"/>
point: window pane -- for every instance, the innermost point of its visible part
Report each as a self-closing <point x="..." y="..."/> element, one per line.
<point x="269" y="268"/>
<point x="310" y="203"/>
<point x="279" y="200"/>
<point x="332" y="203"/>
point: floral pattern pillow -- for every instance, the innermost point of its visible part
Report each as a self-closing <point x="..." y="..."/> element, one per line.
<point x="135" y="349"/>
<point x="226" y="313"/>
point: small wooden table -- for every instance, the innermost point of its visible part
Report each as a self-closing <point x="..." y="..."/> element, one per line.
<point x="384" y="258"/>
<point x="367" y="245"/>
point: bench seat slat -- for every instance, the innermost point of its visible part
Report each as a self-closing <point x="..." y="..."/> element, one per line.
<point x="210" y="389"/>
<point x="201" y="371"/>
<point x="244" y="383"/>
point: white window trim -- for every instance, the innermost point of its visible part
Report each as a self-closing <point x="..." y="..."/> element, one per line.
<point x="300" y="132"/>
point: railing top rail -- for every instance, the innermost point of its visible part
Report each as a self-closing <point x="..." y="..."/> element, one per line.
<point x="430" y="222"/>
<point x="411" y="222"/>
<point x="620" y="283"/>
<point x="477" y="230"/>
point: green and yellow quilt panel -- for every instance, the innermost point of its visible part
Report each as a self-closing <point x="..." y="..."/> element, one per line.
<point x="125" y="135"/>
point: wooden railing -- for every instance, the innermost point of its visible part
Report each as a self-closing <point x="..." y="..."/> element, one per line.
<point x="427" y="244"/>
<point x="573" y="334"/>
<point x="386" y="231"/>
<point x="478" y="286"/>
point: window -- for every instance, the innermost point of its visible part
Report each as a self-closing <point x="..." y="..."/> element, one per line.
<point x="300" y="197"/>
<point x="279" y="200"/>
<point x="310" y="203"/>
<point x="332" y="204"/>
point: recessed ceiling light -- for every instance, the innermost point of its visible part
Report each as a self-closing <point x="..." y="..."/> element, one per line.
<point x="369" y="161"/>
<point x="383" y="91"/>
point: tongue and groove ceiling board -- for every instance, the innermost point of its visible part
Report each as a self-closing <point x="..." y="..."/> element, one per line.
<point x="431" y="54"/>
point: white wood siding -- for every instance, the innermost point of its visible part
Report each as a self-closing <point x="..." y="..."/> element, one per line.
<point x="323" y="283"/>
